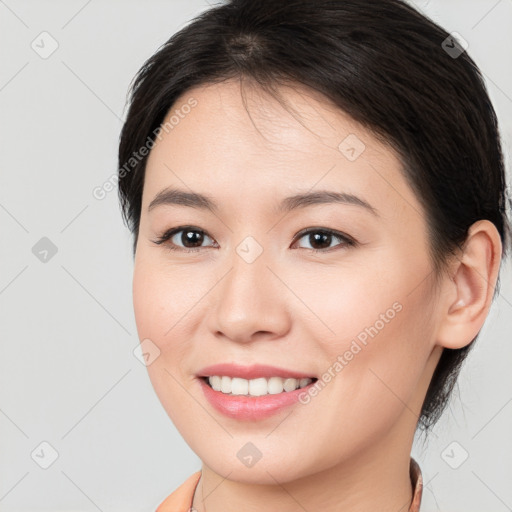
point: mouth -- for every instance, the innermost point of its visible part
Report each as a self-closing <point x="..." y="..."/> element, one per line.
<point x="254" y="399"/>
<point x="236" y="386"/>
<point x="254" y="392"/>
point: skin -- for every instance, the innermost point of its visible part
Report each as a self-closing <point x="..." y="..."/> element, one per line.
<point x="349" y="447"/>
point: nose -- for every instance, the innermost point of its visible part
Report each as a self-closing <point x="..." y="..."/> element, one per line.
<point x="250" y="302"/>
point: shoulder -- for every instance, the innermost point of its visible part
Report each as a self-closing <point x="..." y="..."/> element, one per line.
<point x="180" y="500"/>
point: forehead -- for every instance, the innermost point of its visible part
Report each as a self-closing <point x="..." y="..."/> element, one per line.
<point x="221" y="140"/>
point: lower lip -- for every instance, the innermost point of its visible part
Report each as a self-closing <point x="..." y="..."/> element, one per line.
<point x="251" y="408"/>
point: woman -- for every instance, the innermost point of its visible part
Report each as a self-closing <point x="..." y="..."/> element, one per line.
<point x="317" y="196"/>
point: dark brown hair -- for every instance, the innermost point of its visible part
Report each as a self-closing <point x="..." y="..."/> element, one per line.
<point x="389" y="67"/>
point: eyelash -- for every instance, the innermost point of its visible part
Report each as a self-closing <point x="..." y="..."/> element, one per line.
<point x="347" y="241"/>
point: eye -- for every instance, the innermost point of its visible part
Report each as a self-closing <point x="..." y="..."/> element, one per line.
<point x="191" y="237"/>
<point x="323" y="238"/>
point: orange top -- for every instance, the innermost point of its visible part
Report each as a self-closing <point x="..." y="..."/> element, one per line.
<point x="181" y="499"/>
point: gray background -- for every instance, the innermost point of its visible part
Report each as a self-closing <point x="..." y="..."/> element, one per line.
<point x="68" y="374"/>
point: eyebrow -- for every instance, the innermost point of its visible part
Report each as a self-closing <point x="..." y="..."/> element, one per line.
<point x="173" y="196"/>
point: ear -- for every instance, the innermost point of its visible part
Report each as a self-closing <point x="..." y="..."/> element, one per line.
<point x="469" y="291"/>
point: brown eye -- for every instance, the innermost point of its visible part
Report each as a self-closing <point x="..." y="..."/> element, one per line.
<point x="191" y="239"/>
<point x="185" y="238"/>
<point x="320" y="240"/>
<point x="194" y="238"/>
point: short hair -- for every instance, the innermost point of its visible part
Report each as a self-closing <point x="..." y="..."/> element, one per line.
<point x="390" y="68"/>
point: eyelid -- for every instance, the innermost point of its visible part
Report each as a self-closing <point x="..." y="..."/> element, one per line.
<point x="347" y="240"/>
<point x="162" y="239"/>
<point x="318" y="229"/>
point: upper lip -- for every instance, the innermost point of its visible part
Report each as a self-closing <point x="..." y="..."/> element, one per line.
<point x="254" y="371"/>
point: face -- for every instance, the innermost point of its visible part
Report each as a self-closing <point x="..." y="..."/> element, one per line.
<point x="335" y="290"/>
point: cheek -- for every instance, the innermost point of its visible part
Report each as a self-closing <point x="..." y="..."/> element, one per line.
<point x="357" y="303"/>
<point x="375" y="334"/>
<point x="166" y="303"/>
<point x="159" y="300"/>
<point x="154" y="303"/>
<point x="147" y="304"/>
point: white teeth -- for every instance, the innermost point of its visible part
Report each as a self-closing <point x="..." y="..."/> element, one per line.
<point x="275" y="385"/>
<point x="239" y="386"/>
<point x="255" y="387"/>
<point x="215" y="382"/>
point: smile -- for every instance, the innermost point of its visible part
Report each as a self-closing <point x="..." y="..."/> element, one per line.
<point x="256" y="387"/>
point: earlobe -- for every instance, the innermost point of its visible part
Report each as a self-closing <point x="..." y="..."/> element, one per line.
<point x="471" y="287"/>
